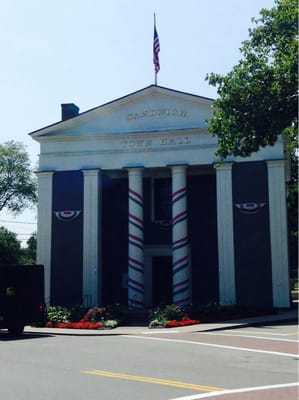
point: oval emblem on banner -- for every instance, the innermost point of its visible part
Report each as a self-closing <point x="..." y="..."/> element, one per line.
<point x="67" y="215"/>
<point x="250" y="208"/>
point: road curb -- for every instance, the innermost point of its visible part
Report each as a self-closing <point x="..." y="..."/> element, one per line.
<point x="283" y="317"/>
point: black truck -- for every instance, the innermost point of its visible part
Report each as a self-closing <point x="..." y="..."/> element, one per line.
<point x="22" y="298"/>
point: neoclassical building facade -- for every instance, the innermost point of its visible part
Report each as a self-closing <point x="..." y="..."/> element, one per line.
<point x="133" y="209"/>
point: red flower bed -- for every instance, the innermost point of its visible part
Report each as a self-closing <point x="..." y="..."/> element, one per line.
<point x="174" y="324"/>
<point x="75" y="325"/>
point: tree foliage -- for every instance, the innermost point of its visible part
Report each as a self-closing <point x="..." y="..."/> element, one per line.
<point x="258" y="98"/>
<point x="28" y="254"/>
<point x="10" y="247"/>
<point x="292" y="205"/>
<point x="17" y="183"/>
<point x="11" y="251"/>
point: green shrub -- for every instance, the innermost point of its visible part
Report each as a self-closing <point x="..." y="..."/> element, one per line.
<point x="171" y="312"/>
<point x="110" y="323"/>
<point x="157" y="322"/>
<point x="109" y="316"/>
<point x="58" y="314"/>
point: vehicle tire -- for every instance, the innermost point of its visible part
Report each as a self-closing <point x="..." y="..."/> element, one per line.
<point x="15" y="330"/>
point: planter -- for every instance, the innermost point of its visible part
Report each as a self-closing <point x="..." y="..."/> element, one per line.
<point x="75" y="325"/>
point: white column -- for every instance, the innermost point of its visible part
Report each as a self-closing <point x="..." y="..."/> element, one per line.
<point x="91" y="236"/>
<point x="44" y="227"/>
<point x="225" y="226"/>
<point x="278" y="233"/>
<point x="136" y="251"/>
<point x="180" y="249"/>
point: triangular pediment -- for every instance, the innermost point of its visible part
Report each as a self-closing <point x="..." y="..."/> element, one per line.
<point x="152" y="109"/>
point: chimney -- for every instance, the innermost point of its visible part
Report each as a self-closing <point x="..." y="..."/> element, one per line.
<point x="69" y="110"/>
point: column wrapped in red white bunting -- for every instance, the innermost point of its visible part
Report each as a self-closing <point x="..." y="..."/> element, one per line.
<point x="136" y="254"/>
<point x="180" y="248"/>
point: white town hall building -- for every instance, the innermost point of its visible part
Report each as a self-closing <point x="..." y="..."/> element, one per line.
<point x="132" y="208"/>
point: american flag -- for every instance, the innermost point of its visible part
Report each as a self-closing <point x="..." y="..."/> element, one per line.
<point x="156" y="49"/>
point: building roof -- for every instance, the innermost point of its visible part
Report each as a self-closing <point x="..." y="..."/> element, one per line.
<point x="147" y="91"/>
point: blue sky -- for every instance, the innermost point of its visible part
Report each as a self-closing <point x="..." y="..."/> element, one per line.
<point x="94" y="51"/>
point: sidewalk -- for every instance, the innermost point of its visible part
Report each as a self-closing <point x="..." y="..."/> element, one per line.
<point x="281" y="316"/>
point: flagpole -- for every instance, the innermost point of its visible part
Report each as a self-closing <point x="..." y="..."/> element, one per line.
<point x="155" y="28"/>
<point x="156" y="50"/>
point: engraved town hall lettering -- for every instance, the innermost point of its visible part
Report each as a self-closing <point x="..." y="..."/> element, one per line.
<point x="136" y="143"/>
<point x="149" y="143"/>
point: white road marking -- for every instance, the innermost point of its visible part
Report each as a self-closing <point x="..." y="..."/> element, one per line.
<point x="225" y="392"/>
<point x="271" y="333"/>
<point x="276" y="353"/>
<point x="159" y="331"/>
<point x="246" y="336"/>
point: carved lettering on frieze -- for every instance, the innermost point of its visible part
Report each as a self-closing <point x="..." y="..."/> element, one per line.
<point x="158" y="142"/>
<point x="175" y="141"/>
<point x="159" y="112"/>
<point x="135" y="143"/>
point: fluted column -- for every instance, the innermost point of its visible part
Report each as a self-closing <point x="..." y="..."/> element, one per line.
<point x="91" y="242"/>
<point x="225" y="226"/>
<point x="44" y="227"/>
<point x="136" y="253"/>
<point x="278" y="233"/>
<point x="180" y="248"/>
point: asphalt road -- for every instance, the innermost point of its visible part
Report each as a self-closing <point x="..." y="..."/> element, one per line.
<point x="147" y="364"/>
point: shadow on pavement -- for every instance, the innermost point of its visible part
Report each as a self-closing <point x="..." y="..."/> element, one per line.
<point x="261" y="324"/>
<point x="5" y="336"/>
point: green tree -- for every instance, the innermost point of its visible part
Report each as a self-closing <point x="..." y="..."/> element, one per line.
<point x="17" y="182"/>
<point x="292" y="204"/>
<point x="10" y="247"/>
<point x="258" y="99"/>
<point x="28" y="254"/>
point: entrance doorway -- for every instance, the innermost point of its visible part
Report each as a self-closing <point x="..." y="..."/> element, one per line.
<point x="161" y="280"/>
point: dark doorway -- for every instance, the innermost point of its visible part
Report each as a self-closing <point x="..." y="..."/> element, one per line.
<point x="162" y="280"/>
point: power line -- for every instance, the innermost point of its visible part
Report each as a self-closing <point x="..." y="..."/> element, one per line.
<point x="19" y="222"/>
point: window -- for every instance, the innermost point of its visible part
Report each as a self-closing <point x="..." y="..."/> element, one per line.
<point x="162" y="208"/>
